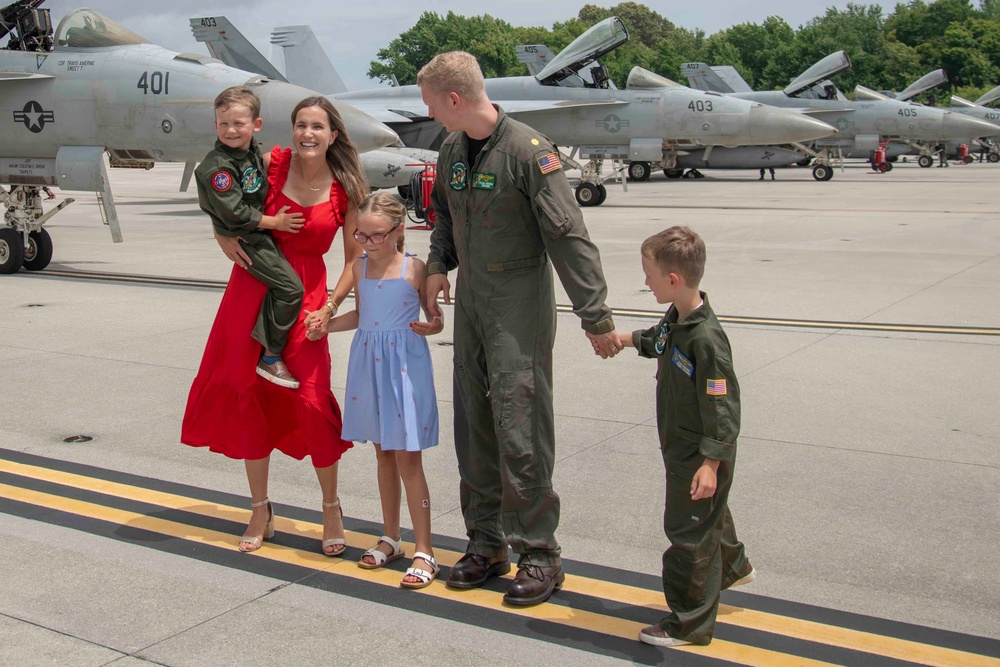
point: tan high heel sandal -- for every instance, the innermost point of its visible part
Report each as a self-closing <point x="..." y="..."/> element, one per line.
<point x="255" y="542"/>
<point x="335" y="541"/>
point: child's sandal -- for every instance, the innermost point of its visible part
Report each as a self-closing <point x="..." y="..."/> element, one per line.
<point x="424" y="576"/>
<point x="380" y="558"/>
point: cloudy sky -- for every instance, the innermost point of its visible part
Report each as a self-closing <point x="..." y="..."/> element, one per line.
<point x="352" y="33"/>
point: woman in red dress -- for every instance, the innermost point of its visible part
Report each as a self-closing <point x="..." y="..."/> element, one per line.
<point x="233" y="411"/>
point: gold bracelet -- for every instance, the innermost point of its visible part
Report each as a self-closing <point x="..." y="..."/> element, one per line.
<point x="332" y="306"/>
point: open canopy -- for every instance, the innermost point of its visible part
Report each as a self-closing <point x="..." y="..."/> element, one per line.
<point x="602" y="38"/>
<point x="85" y="28"/>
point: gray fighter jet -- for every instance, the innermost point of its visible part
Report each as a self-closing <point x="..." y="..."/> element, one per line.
<point x="978" y="109"/>
<point x="599" y="123"/>
<point x="863" y="124"/>
<point x="91" y="87"/>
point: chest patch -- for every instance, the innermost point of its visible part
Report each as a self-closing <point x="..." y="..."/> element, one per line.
<point x="682" y="363"/>
<point x="660" y="344"/>
<point x="222" y="181"/>
<point x="251" y="180"/>
<point x="459" y="176"/>
<point x="484" y="181"/>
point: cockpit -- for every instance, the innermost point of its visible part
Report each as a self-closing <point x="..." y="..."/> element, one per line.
<point x="85" y="29"/>
<point x="600" y="39"/>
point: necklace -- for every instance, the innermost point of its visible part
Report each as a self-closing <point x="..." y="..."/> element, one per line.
<point x="308" y="180"/>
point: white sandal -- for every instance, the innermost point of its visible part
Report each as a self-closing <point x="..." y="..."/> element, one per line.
<point x="424" y="576"/>
<point x="334" y="541"/>
<point x="253" y="541"/>
<point x="379" y="556"/>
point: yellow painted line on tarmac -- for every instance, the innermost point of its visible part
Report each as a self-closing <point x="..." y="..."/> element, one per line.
<point x="746" y="618"/>
<point x="579" y="619"/>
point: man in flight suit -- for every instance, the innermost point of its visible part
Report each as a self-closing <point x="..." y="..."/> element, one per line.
<point x="504" y="210"/>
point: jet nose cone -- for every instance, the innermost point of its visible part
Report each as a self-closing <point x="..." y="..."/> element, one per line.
<point x="366" y="133"/>
<point x="771" y="125"/>
<point x="958" y="125"/>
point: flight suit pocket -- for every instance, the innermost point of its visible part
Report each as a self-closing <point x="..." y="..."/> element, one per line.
<point x="683" y="517"/>
<point x="556" y="220"/>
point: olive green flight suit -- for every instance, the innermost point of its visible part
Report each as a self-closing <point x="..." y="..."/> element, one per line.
<point x="698" y="417"/>
<point x="232" y="189"/>
<point x="500" y="221"/>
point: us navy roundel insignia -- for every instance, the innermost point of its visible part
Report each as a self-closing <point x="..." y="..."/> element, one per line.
<point x="459" y="176"/>
<point x="251" y="181"/>
<point x="222" y="181"/>
<point x="661" y="338"/>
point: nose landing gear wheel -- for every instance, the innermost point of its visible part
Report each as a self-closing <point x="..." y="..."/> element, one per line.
<point x="11" y="251"/>
<point x="602" y="194"/>
<point x="822" y="172"/>
<point x="588" y="194"/>
<point x="638" y="171"/>
<point x="673" y="173"/>
<point x="38" y="254"/>
<point x="993" y="157"/>
<point x="925" y="161"/>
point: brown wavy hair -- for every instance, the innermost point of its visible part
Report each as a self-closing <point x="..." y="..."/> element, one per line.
<point x="342" y="156"/>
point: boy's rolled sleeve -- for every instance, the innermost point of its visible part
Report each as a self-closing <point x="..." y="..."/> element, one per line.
<point x="718" y="401"/>
<point x="644" y="341"/>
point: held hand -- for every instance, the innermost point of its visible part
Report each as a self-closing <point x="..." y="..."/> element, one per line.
<point x="437" y="283"/>
<point x="703" y="483"/>
<point x="288" y="222"/>
<point x="606" y="345"/>
<point x="315" y="323"/>
<point x="435" y="326"/>
<point x="231" y="247"/>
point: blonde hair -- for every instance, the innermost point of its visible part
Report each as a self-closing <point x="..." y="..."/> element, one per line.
<point x="678" y="250"/>
<point x="342" y="156"/>
<point x="454" y="72"/>
<point x="385" y="205"/>
<point x="241" y="95"/>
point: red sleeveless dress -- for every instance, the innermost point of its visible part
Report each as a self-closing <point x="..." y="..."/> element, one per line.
<point x="233" y="411"/>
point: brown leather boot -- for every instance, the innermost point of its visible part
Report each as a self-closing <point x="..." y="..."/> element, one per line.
<point x="533" y="584"/>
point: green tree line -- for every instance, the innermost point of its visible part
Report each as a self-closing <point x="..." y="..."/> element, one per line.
<point x="888" y="52"/>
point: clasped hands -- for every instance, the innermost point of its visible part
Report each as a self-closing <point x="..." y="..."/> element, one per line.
<point x="606" y="345"/>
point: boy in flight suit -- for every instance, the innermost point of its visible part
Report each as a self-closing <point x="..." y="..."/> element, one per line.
<point x="232" y="188"/>
<point x="698" y="419"/>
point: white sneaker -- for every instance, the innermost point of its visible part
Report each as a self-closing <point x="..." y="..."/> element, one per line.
<point x="745" y="579"/>
<point x="657" y="636"/>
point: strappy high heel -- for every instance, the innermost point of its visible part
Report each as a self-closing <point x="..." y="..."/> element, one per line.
<point x="255" y="542"/>
<point x="334" y="541"/>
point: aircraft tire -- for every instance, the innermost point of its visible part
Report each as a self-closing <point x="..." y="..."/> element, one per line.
<point x="925" y="161"/>
<point x="993" y="157"/>
<point x="602" y="194"/>
<point x="587" y="194"/>
<point x="38" y="254"/>
<point x="404" y="192"/>
<point x="822" y="172"/>
<point x="11" y="250"/>
<point x="639" y="171"/>
<point x="804" y="162"/>
<point x="673" y="173"/>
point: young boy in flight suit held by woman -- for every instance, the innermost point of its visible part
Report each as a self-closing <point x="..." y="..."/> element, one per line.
<point x="698" y="419"/>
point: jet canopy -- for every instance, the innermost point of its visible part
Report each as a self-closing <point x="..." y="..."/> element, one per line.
<point x="85" y="29"/>
<point x="600" y="39"/>
<point x="835" y="63"/>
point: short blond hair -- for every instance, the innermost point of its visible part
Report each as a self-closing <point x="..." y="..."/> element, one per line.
<point x="454" y="72"/>
<point x="678" y="250"/>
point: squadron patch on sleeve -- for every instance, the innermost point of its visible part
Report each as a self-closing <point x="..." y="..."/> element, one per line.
<point x="549" y="163"/>
<point x="716" y="387"/>
<point x="660" y="344"/>
<point x="222" y="181"/>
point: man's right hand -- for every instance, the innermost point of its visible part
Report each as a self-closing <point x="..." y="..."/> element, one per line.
<point x="231" y="247"/>
<point x="437" y="283"/>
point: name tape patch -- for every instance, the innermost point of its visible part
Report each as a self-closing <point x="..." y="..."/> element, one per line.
<point x="684" y="364"/>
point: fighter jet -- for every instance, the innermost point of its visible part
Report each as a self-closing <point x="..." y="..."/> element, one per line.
<point x="864" y="124"/>
<point x="92" y="87"/>
<point x="653" y="126"/>
<point x="978" y="109"/>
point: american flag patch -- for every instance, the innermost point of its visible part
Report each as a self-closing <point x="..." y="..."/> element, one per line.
<point x="549" y="163"/>
<point x="716" y="387"/>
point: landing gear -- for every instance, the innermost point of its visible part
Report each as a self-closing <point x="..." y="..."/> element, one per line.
<point x="925" y="161"/>
<point x="673" y="173"/>
<point x="588" y="194"/>
<point x="804" y="162"/>
<point x="993" y="157"/>
<point x="639" y="171"/>
<point x="38" y="254"/>
<point x="822" y="172"/>
<point x="11" y="251"/>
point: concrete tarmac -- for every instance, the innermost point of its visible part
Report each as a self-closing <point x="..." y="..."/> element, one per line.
<point x="869" y="460"/>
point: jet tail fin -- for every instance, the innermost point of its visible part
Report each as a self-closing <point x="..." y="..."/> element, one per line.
<point x="535" y="57"/>
<point x="732" y="78"/>
<point x="306" y="63"/>
<point x="229" y="45"/>
<point x="702" y="77"/>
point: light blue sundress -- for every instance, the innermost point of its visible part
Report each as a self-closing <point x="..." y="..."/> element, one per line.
<point x="390" y="383"/>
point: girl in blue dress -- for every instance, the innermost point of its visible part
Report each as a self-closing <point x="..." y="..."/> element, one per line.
<point x="390" y="396"/>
